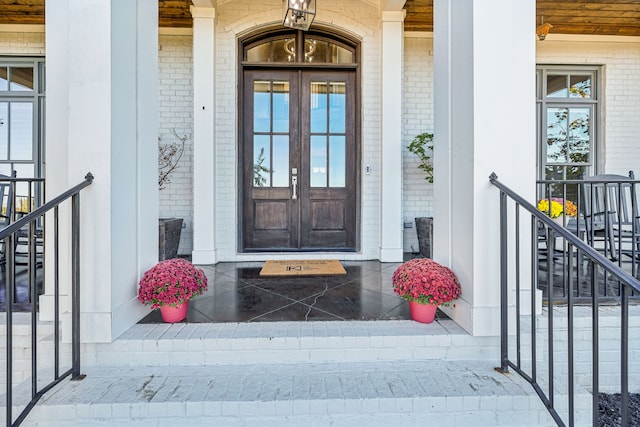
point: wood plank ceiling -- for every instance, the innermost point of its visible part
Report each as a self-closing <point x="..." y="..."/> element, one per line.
<point x="597" y="17"/>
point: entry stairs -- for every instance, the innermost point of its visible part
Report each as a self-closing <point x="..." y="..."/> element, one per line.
<point x="353" y="373"/>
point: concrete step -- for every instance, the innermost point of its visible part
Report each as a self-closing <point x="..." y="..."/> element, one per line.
<point x="290" y="342"/>
<point x="383" y="393"/>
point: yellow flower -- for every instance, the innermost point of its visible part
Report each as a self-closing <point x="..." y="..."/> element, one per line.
<point x="558" y="207"/>
<point x="554" y="212"/>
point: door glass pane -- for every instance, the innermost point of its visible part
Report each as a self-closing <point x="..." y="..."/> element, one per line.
<point x="337" y="158"/>
<point x="261" y="161"/>
<point x="340" y="55"/>
<point x="4" y="130"/>
<point x="557" y="135"/>
<point x="579" y="141"/>
<point x="580" y="87"/>
<point x="557" y="86"/>
<point x="259" y="53"/>
<point x="318" y="161"/>
<point x="280" y="169"/>
<point x="338" y="112"/>
<point x="318" y="107"/>
<point x="284" y="50"/>
<point x="281" y="107"/>
<point x="4" y="82"/>
<point x="21" y="130"/>
<point x="315" y="50"/>
<point x="21" y="79"/>
<point x="261" y="106"/>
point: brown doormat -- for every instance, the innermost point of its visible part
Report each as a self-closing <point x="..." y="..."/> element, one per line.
<point x="322" y="267"/>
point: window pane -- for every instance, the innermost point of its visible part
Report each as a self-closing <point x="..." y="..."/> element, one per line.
<point x="579" y="124"/>
<point x="340" y="55"/>
<point x="284" y="50"/>
<point x="557" y="86"/>
<point x="337" y="167"/>
<point x="4" y="82"/>
<point x="21" y="130"/>
<point x="21" y="79"/>
<point x="22" y="188"/>
<point x="315" y="50"/>
<point x="280" y="106"/>
<point x="261" y="106"/>
<point x="280" y="169"/>
<point x="4" y="130"/>
<point x="261" y="161"/>
<point x="318" y="107"/>
<point x="338" y="113"/>
<point x="554" y="172"/>
<point x="557" y="135"/>
<point x="318" y="161"/>
<point x="580" y="87"/>
<point x="259" y="53"/>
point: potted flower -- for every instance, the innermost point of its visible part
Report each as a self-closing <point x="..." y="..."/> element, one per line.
<point x="426" y="285"/>
<point x="169" y="229"/>
<point x="557" y="208"/>
<point x="169" y="285"/>
<point x="422" y="147"/>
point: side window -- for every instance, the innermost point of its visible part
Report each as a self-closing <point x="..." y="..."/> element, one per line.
<point x="567" y="117"/>
<point x="22" y="103"/>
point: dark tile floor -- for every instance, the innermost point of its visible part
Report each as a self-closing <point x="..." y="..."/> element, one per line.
<point x="237" y="293"/>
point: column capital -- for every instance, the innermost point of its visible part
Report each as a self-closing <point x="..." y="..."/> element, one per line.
<point x="398" y="16"/>
<point x="393" y="5"/>
<point x="202" y="12"/>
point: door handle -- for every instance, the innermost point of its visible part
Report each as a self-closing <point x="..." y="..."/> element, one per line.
<point x="294" y="183"/>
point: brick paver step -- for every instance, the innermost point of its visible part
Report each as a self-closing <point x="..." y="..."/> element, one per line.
<point x="448" y="393"/>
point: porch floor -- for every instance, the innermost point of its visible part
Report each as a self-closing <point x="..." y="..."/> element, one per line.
<point x="237" y="293"/>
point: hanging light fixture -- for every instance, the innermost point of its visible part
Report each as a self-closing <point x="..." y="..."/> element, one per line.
<point x="543" y="29"/>
<point x="298" y="14"/>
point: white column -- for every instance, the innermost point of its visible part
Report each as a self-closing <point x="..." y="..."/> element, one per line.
<point x="391" y="150"/>
<point x="204" y="248"/>
<point x="103" y="119"/>
<point x="484" y="54"/>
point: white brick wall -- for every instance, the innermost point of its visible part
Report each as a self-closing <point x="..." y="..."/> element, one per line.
<point x="358" y="18"/>
<point x="175" y="111"/>
<point x="17" y="44"/>
<point x="417" y="118"/>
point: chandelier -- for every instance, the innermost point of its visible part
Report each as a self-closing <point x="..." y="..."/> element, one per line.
<point x="298" y="14"/>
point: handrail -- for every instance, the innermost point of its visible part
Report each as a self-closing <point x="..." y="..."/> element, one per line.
<point x="596" y="262"/>
<point x="18" y="224"/>
<point x="10" y="236"/>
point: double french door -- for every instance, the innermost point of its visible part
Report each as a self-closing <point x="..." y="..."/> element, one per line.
<point x="300" y="162"/>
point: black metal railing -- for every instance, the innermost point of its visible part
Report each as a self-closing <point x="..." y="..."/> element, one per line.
<point x="604" y="214"/>
<point x="581" y="270"/>
<point x="28" y="231"/>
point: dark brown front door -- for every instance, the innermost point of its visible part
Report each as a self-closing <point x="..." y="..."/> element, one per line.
<point x="300" y="160"/>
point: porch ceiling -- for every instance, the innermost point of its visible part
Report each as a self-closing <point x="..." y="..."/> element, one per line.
<point x="597" y="17"/>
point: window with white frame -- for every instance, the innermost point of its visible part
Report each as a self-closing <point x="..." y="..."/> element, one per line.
<point x="567" y="116"/>
<point x="22" y="103"/>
